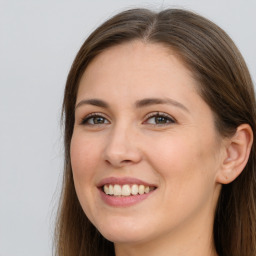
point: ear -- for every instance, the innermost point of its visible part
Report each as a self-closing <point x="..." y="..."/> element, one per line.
<point x="237" y="151"/>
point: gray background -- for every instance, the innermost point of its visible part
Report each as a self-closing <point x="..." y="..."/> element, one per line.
<point x="38" y="41"/>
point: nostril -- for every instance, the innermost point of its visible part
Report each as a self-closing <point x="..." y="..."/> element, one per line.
<point x="126" y="162"/>
<point x="119" y="159"/>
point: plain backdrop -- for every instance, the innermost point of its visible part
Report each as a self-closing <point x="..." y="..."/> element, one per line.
<point x="38" y="42"/>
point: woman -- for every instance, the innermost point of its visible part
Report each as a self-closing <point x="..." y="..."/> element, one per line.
<point x="159" y="123"/>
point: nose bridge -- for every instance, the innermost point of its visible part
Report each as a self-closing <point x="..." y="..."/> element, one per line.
<point x="122" y="145"/>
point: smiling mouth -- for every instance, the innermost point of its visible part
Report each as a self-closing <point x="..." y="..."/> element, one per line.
<point x="126" y="189"/>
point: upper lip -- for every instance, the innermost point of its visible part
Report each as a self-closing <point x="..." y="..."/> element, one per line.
<point x="123" y="181"/>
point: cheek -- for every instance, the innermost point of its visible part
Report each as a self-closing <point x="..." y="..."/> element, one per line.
<point x="84" y="160"/>
<point x="84" y="157"/>
<point x="187" y="172"/>
<point x="184" y="161"/>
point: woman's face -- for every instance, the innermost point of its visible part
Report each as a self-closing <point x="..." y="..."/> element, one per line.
<point x="144" y="135"/>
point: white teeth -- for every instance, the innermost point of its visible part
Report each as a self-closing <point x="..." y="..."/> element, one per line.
<point x="126" y="190"/>
<point x="135" y="189"/>
<point x="106" y="190"/>
<point x="117" y="190"/>
<point x="141" y="189"/>
<point x="110" y="189"/>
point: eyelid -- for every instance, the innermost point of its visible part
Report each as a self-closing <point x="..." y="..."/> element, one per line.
<point x="93" y="114"/>
<point x="161" y="114"/>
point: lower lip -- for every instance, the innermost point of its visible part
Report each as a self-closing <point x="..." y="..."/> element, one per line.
<point x="123" y="201"/>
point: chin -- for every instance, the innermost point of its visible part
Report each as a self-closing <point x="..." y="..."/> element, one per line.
<point x="123" y="237"/>
<point x="123" y="233"/>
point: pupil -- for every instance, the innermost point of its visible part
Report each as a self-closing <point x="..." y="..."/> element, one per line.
<point x="98" y="120"/>
<point x="160" y="120"/>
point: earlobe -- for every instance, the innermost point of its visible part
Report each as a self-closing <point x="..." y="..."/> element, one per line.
<point x="237" y="151"/>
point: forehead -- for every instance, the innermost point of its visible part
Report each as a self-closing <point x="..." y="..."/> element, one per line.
<point x="136" y="66"/>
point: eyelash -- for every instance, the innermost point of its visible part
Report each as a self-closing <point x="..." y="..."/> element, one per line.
<point x="91" y="116"/>
<point x="169" y="120"/>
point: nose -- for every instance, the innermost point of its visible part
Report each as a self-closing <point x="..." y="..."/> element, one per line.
<point x="122" y="147"/>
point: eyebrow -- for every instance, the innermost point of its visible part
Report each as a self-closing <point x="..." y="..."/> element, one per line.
<point x="138" y="104"/>
<point x="94" y="102"/>
<point x="155" y="101"/>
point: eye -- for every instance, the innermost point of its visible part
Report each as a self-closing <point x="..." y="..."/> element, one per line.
<point x="159" y="119"/>
<point x="94" y="119"/>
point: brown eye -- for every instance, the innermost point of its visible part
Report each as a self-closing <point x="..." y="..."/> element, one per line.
<point x="160" y="119"/>
<point x="98" y="120"/>
<point x="94" y="120"/>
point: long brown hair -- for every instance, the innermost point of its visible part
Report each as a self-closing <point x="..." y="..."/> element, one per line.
<point x="225" y="85"/>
